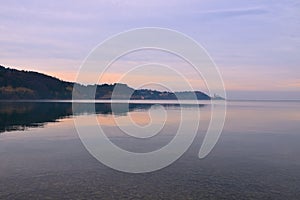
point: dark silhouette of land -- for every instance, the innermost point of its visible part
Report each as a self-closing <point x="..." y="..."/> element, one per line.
<point x="29" y="85"/>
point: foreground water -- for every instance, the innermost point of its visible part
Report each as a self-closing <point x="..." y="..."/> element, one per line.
<point x="256" y="157"/>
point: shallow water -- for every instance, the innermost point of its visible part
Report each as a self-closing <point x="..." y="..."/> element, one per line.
<point x="256" y="157"/>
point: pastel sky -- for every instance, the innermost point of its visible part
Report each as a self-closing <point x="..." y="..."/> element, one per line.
<point x="255" y="44"/>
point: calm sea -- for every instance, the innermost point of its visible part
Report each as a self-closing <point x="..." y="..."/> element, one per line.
<point x="256" y="157"/>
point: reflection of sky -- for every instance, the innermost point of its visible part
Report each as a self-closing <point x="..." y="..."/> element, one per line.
<point x="262" y="117"/>
<point x="255" y="43"/>
<point x="242" y="162"/>
<point x="241" y="117"/>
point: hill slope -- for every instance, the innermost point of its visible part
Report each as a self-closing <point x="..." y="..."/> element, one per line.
<point x="17" y="85"/>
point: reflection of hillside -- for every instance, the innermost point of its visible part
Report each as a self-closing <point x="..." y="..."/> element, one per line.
<point x="9" y="109"/>
<point x="22" y="115"/>
<point x="19" y="116"/>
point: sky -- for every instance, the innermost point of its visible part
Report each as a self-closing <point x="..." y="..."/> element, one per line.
<point x="255" y="44"/>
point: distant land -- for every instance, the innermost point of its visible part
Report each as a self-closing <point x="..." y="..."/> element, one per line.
<point x="30" y="85"/>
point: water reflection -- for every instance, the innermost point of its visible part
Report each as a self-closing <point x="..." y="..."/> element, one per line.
<point x="24" y="115"/>
<point x="257" y="156"/>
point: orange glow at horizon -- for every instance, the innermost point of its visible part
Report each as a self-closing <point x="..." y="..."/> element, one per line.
<point x="233" y="85"/>
<point x="234" y="80"/>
